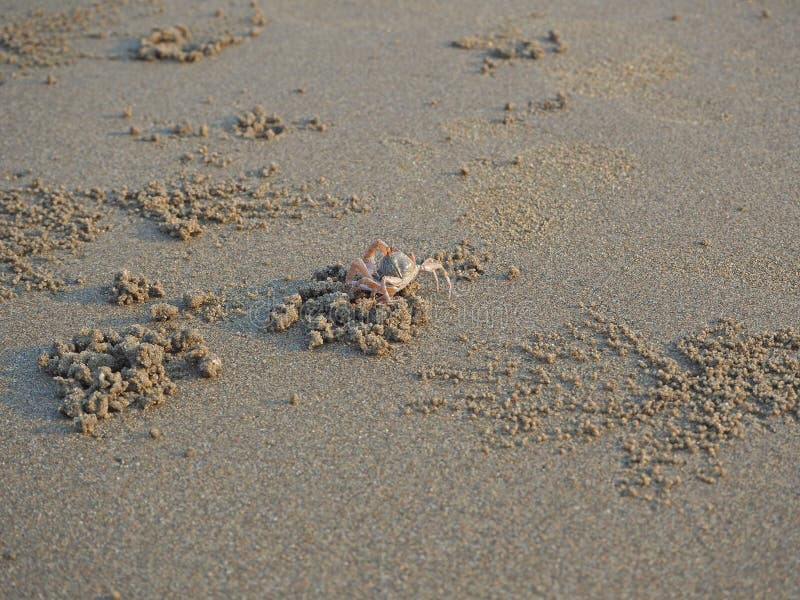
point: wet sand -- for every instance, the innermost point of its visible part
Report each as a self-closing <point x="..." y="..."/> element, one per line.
<point x="570" y="423"/>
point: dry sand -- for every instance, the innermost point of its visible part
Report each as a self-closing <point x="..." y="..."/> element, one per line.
<point x="607" y="406"/>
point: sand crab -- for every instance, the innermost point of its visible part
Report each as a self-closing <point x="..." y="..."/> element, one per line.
<point x="386" y="270"/>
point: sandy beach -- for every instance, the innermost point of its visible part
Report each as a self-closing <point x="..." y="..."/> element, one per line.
<point x="196" y="402"/>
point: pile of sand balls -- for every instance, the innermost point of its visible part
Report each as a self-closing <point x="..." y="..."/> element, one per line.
<point x="257" y="123"/>
<point x="175" y="43"/>
<point x="328" y="314"/>
<point x="102" y="372"/>
<point x="134" y="289"/>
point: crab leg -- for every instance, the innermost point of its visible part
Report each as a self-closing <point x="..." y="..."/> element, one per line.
<point x="434" y="266"/>
<point x="375" y="287"/>
<point x="387" y="296"/>
<point x="358" y="267"/>
<point x="395" y="284"/>
<point x="366" y="283"/>
<point x="379" y="245"/>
